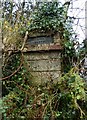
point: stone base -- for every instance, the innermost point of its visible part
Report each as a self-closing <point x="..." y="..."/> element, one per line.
<point x="44" y="66"/>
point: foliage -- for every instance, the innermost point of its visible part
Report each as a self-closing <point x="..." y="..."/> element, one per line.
<point x="16" y="18"/>
<point x="48" y="16"/>
<point x="12" y="37"/>
<point x="66" y="100"/>
<point x="69" y="54"/>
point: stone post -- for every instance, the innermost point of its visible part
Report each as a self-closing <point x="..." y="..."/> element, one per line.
<point x="43" y="53"/>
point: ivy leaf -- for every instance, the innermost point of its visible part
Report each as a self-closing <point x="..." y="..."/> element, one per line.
<point x="78" y="97"/>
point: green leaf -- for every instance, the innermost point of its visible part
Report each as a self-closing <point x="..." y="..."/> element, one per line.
<point x="78" y="97"/>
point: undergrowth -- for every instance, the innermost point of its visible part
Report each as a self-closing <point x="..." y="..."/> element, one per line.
<point x="65" y="100"/>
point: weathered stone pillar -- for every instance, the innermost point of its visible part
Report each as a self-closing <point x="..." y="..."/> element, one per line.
<point x="44" y="58"/>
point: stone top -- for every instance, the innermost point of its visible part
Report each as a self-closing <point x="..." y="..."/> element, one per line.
<point x="43" y="42"/>
<point x="43" y="47"/>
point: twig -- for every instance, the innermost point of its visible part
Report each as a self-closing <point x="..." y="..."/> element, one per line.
<point x="49" y="102"/>
<point x="25" y="101"/>
<point x="25" y="38"/>
<point x="52" y="118"/>
<point x="21" y="88"/>
<point x="77" y="105"/>
<point x="12" y="73"/>
<point x="44" y="110"/>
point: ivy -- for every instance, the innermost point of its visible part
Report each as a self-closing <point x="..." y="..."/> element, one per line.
<point x="66" y="100"/>
<point x="48" y="16"/>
